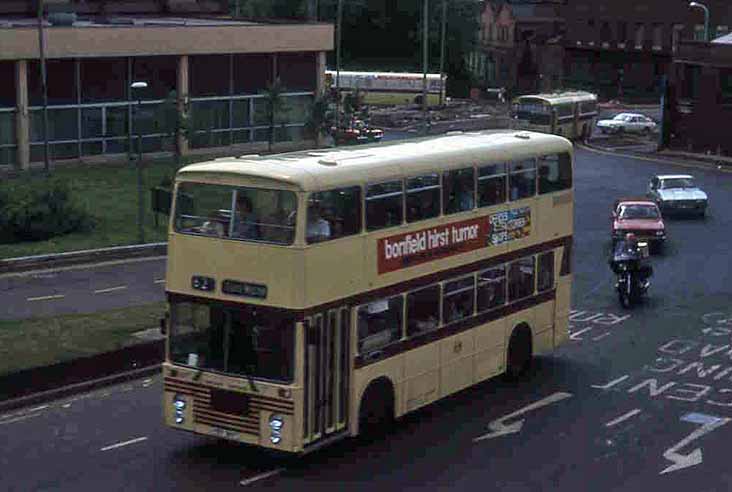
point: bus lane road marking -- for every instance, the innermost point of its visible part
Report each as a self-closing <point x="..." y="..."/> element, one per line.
<point x="584" y="324"/>
<point x="623" y="417"/>
<point x="124" y="443"/>
<point x="695" y="457"/>
<point x="499" y="428"/>
<point x="159" y="281"/>
<point x="261" y="476"/>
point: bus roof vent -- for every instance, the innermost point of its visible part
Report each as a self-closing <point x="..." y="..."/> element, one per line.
<point x="248" y="156"/>
<point x="328" y="162"/>
<point x="523" y="136"/>
<point x="454" y="132"/>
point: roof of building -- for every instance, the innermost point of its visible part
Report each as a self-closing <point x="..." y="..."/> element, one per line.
<point x="330" y="168"/>
<point x="128" y="21"/>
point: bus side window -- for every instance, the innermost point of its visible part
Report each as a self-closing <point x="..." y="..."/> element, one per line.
<point x="384" y="205"/>
<point x="423" y="310"/>
<point x="458" y="189"/>
<point x="423" y="197"/>
<point x="458" y="299"/>
<point x="379" y="324"/>
<point x="521" y="279"/>
<point x="491" y="288"/>
<point x="522" y="179"/>
<point x="546" y="271"/>
<point x="555" y="173"/>
<point x="333" y="214"/>
<point x="491" y="185"/>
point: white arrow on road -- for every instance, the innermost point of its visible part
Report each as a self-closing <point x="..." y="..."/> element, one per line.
<point x="498" y="427"/>
<point x="709" y="423"/>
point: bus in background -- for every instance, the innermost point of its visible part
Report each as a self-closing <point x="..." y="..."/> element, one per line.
<point x="315" y="293"/>
<point x="570" y="114"/>
<point x="389" y="88"/>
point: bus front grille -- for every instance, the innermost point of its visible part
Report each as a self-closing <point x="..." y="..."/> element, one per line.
<point x="211" y="408"/>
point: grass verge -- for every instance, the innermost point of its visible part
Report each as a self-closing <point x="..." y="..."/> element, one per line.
<point x="109" y="193"/>
<point x="39" y="342"/>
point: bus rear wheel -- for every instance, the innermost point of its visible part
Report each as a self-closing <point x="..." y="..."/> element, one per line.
<point x="376" y="412"/>
<point x="520" y="352"/>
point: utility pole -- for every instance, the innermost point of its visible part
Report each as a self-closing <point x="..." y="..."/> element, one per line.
<point x="425" y="28"/>
<point x="339" y="19"/>
<point x="44" y="86"/>
<point x="442" y="51"/>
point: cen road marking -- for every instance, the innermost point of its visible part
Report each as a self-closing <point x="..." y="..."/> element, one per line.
<point x="110" y="289"/>
<point x="623" y="417"/>
<point x="46" y="298"/>
<point x="125" y="443"/>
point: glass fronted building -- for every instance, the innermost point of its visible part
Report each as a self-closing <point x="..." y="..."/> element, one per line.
<point x="212" y="68"/>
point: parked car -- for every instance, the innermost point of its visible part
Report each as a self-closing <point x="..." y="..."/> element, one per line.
<point x="640" y="216"/>
<point x="357" y="132"/>
<point x="627" y="123"/>
<point x="677" y="193"/>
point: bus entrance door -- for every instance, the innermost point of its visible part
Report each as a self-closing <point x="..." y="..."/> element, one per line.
<point x="327" y="373"/>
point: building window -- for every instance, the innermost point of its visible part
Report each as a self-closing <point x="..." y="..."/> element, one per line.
<point x="622" y="36"/>
<point x="725" y="85"/>
<point x="698" y="32"/>
<point x="640" y="35"/>
<point x="690" y="87"/>
<point x="721" y="31"/>
<point x="379" y="324"/>
<point x="677" y="32"/>
<point x="657" y="36"/>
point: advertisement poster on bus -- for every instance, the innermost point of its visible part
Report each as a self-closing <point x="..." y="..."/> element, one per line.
<point x="424" y="245"/>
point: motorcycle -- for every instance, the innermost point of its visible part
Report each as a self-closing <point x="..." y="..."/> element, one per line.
<point x="632" y="274"/>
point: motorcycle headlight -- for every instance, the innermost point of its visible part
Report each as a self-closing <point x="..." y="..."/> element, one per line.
<point x="659" y="233"/>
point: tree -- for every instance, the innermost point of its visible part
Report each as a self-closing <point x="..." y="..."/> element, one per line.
<point x="175" y="125"/>
<point x="321" y="117"/>
<point x="275" y="103"/>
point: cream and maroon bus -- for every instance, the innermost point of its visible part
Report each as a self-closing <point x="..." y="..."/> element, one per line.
<point x="312" y="294"/>
<point x="570" y="114"/>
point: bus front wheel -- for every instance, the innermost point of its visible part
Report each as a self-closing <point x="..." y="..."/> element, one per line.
<point x="376" y="412"/>
<point x="519" y="355"/>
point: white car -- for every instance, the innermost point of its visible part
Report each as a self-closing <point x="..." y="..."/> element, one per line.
<point x="628" y="123"/>
<point x="677" y="193"/>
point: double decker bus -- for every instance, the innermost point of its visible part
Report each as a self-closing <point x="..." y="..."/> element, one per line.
<point x="569" y="114"/>
<point x="315" y="293"/>
<point x="385" y="88"/>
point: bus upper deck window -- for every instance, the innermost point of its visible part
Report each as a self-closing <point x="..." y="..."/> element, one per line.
<point x="384" y="205"/>
<point x="555" y="173"/>
<point x="491" y="185"/>
<point x="522" y="179"/>
<point x="332" y="214"/>
<point x="423" y="197"/>
<point x="458" y="190"/>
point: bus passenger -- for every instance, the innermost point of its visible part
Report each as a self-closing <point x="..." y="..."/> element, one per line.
<point x="245" y="225"/>
<point x="318" y="228"/>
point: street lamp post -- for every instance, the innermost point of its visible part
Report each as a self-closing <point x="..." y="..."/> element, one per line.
<point x="425" y="28"/>
<point x="137" y="88"/>
<point x="339" y="24"/>
<point x="44" y="85"/>
<point x="442" y="50"/>
<point x="706" y="18"/>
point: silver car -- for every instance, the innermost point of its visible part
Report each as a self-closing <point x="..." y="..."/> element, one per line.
<point x="677" y="193"/>
<point x="627" y="123"/>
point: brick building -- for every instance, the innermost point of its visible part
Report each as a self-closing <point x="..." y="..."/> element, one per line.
<point x="623" y="48"/>
<point x="700" y="97"/>
<point x="519" y="46"/>
<point x="192" y="55"/>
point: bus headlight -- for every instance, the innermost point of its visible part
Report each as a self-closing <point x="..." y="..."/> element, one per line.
<point x="179" y="404"/>
<point x="276" y="423"/>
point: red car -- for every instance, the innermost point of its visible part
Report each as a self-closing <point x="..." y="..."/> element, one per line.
<point x="641" y="217"/>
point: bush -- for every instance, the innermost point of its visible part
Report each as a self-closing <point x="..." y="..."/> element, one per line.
<point x="41" y="212"/>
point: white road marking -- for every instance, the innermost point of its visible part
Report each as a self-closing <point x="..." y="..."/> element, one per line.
<point x="110" y="289"/>
<point x="125" y="443"/>
<point x="576" y="335"/>
<point x="38" y="409"/>
<point x="680" y="461"/>
<point x="498" y="427"/>
<point x="160" y="281"/>
<point x="611" y="383"/>
<point x="261" y="476"/>
<point x="82" y="267"/>
<point x="46" y="298"/>
<point x="623" y="417"/>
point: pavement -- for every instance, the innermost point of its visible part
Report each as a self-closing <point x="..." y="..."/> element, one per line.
<point x="637" y="400"/>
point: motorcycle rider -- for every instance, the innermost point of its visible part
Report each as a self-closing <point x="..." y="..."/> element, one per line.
<point x="628" y="250"/>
